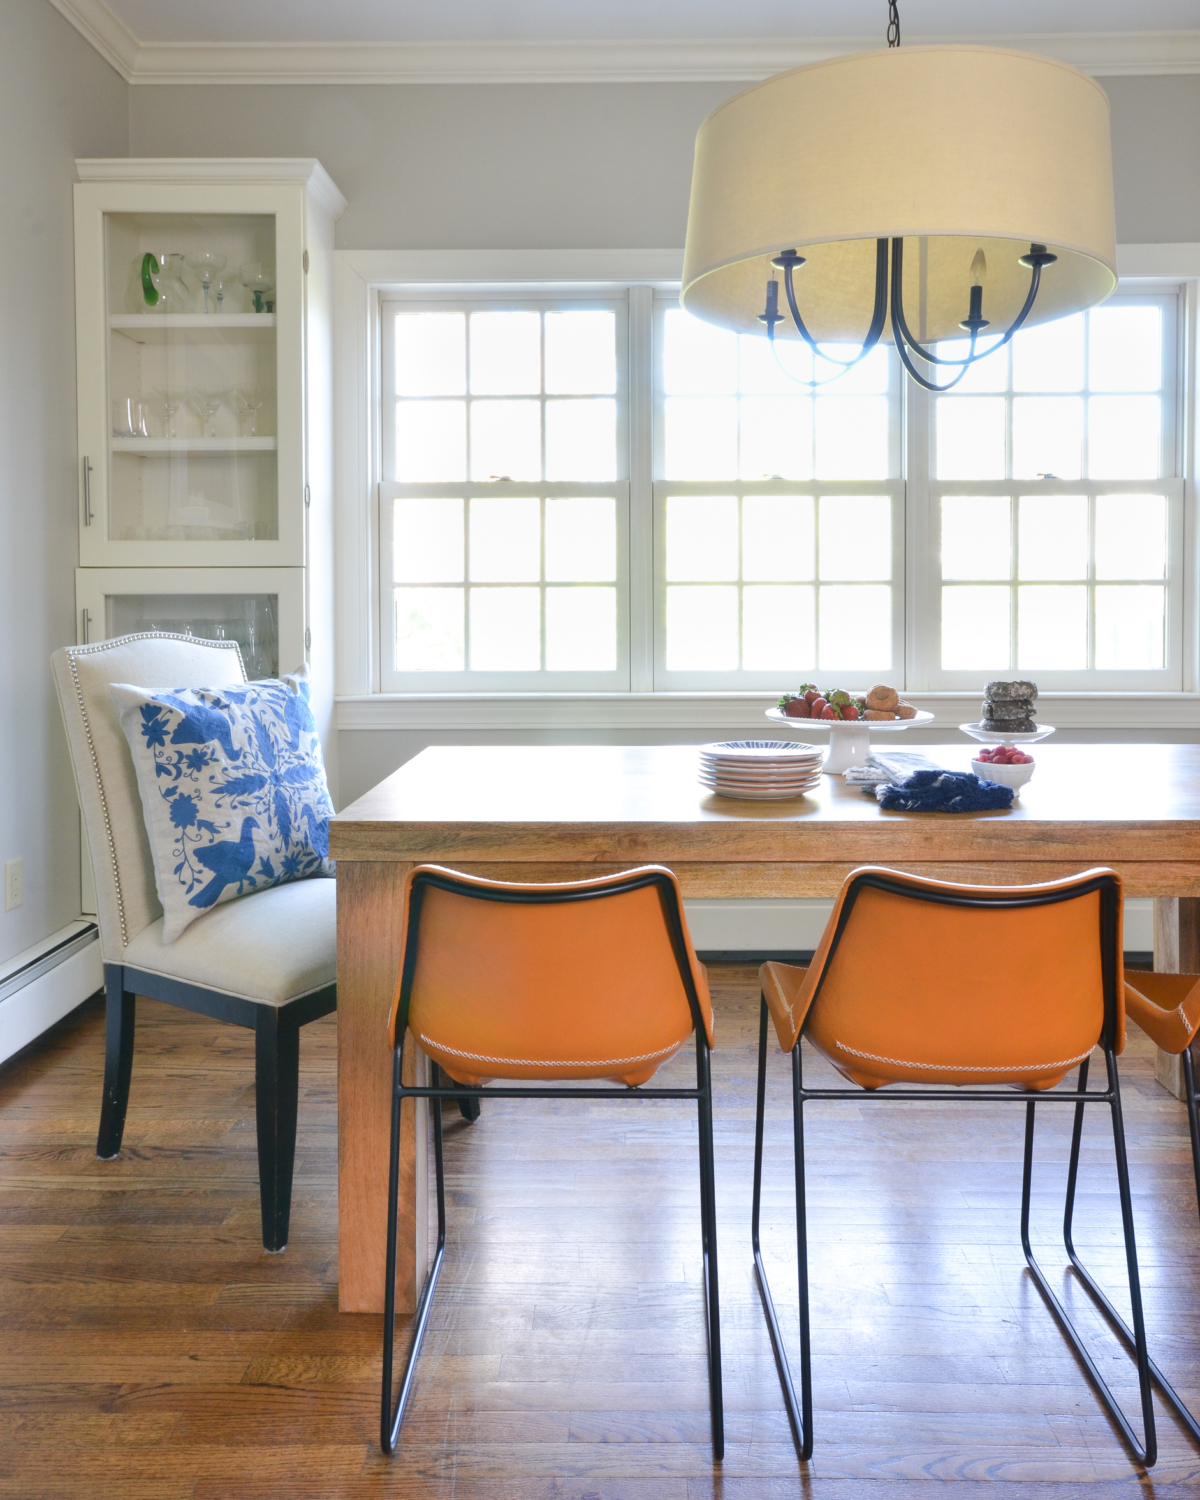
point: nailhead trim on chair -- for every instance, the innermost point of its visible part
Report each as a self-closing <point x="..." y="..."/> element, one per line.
<point x="76" y="651"/>
<point x="543" y="1062"/>
<point x="947" y="1067"/>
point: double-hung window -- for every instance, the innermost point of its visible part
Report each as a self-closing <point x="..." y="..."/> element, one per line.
<point x="1057" y="507"/>
<point x="588" y="490"/>
<point x="504" y="513"/>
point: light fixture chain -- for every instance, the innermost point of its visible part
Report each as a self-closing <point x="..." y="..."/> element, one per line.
<point x="893" y="31"/>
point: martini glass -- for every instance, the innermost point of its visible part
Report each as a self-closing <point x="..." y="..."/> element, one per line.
<point x="257" y="283"/>
<point x="166" y="407"/>
<point x="248" y="401"/>
<point x="206" y="403"/>
<point x="206" y="266"/>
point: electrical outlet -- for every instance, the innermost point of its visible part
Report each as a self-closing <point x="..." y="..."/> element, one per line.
<point x="14" y="883"/>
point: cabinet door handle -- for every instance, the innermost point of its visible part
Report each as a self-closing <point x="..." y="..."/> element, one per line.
<point x="87" y="627"/>
<point x="87" y="491"/>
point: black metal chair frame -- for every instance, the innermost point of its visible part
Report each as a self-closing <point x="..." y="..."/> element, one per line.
<point x="392" y="1413"/>
<point x="1115" y="1320"/>
<point x="800" y="1413"/>
<point x="276" y="1071"/>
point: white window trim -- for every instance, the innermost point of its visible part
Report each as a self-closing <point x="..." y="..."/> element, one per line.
<point x="360" y="278"/>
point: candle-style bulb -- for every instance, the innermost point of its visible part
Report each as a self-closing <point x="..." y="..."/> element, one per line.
<point x="978" y="269"/>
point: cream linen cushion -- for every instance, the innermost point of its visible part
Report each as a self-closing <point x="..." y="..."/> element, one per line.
<point x="270" y="947"/>
<point x="127" y="901"/>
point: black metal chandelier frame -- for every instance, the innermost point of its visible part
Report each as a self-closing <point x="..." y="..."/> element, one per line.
<point x="788" y="261"/>
<point x="1037" y="258"/>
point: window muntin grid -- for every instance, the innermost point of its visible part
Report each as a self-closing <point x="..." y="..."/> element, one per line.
<point x="1056" y="518"/>
<point x="743" y="451"/>
<point x="503" y="521"/>
<point x="916" y="625"/>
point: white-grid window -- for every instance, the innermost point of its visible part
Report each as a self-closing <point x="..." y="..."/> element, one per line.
<point x="504" y="510"/>
<point x="588" y="490"/>
<point x="778" y="510"/>
<point x="1057" y="507"/>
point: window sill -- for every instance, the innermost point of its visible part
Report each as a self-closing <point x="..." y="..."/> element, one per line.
<point x="719" y="712"/>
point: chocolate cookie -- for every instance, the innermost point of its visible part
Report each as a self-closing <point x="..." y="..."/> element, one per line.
<point x="1000" y="692"/>
<point x="1009" y="726"/>
<point x="1007" y="708"/>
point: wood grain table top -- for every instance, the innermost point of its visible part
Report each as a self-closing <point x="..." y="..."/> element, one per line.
<point x="554" y="802"/>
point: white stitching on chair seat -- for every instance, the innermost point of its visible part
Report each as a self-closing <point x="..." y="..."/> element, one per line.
<point x="950" y="1067"/>
<point x="544" y="1062"/>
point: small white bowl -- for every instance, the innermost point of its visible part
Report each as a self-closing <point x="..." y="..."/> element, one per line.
<point x="1013" y="776"/>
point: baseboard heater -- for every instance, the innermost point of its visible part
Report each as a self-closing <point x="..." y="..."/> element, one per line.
<point x="46" y="982"/>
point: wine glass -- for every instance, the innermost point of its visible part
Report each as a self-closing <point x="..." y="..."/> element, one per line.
<point x="222" y="286"/>
<point x="248" y="401"/>
<point x="166" y="406"/>
<point x="257" y="283"/>
<point x="206" y="266"/>
<point x="206" y="403"/>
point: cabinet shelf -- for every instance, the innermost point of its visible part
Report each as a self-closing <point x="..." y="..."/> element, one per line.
<point x="156" y="447"/>
<point x="195" y="328"/>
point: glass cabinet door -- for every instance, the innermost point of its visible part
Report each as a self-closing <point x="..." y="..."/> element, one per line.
<point x="190" y="345"/>
<point x="192" y="378"/>
<point x="262" y="609"/>
<point x="252" y="620"/>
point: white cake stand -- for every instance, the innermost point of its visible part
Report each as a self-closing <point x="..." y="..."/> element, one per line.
<point x="997" y="737"/>
<point x="849" y="743"/>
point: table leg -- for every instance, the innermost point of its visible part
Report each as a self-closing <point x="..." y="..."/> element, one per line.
<point x="369" y="936"/>
<point x="1176" y="951"/>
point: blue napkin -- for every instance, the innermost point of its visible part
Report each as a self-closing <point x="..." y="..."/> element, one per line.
<point x="944" y="791"/>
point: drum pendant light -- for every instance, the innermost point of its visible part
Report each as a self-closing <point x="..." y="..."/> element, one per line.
<point x="913" y="195"/>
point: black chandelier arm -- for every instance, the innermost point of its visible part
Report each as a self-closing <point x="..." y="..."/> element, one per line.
<point x="878" y="316"/>
<point x="900" y="323"/>
<point x="929" y="385"/>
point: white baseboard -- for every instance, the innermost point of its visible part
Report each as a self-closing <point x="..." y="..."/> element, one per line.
<point x="45" y="983"/>
<point x="722" y="926"/>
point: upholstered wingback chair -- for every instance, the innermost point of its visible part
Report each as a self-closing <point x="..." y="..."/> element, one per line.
<point x="265" y="960"/>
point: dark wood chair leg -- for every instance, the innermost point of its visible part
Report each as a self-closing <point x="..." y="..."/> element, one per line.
<point x="469" y="1109"/>
<point x="119" y="1005"/>
<point x="277" y="1085"/>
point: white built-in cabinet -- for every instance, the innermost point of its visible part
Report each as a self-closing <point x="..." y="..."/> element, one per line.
<point x="203" y="316"/>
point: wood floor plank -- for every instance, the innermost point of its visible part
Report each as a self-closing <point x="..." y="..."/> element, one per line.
<point x="147" y="1342"/>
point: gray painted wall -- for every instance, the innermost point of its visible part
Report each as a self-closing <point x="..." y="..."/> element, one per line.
<point x="58" y="100"/>
<point x="586" y="166"/>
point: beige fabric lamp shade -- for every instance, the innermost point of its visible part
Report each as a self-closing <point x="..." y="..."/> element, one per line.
<point x="953" y="148"/>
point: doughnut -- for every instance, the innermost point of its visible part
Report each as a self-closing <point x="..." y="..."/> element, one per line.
<point x="878" y="713"/>
<point x="883" y="698"/>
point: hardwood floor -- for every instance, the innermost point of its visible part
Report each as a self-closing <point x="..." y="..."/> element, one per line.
<point x="149" y="1348"/>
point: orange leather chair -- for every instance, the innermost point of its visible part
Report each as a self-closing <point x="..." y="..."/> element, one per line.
<point x="553" y="987"/>
<point x="1006" y="989"/>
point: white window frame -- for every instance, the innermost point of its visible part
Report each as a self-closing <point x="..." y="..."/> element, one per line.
<point x="925" y="672"/>
<point x="362" y="278"/>
<point x="467" y="680"/>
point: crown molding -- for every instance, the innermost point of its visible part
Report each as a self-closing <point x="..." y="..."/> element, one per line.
<point x="620" y="61"/>
<point x="111" y="38"/>
<point x="173" y="169"/>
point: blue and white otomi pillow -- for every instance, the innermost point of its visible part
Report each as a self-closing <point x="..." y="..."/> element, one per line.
<point x="233" y="790"/>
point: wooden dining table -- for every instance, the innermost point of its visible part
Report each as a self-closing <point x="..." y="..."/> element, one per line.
<point x="558" y="812"/>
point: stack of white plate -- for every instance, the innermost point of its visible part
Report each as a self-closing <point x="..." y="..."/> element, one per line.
<point x="761" y="770"/>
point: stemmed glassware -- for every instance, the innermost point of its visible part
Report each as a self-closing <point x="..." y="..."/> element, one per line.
<point x="260" y="286"/>
<point x="248" y="401"/>
<point x="206" y="403"/>
<point x="166" y="407"/>
<point x="206" y="266"/>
